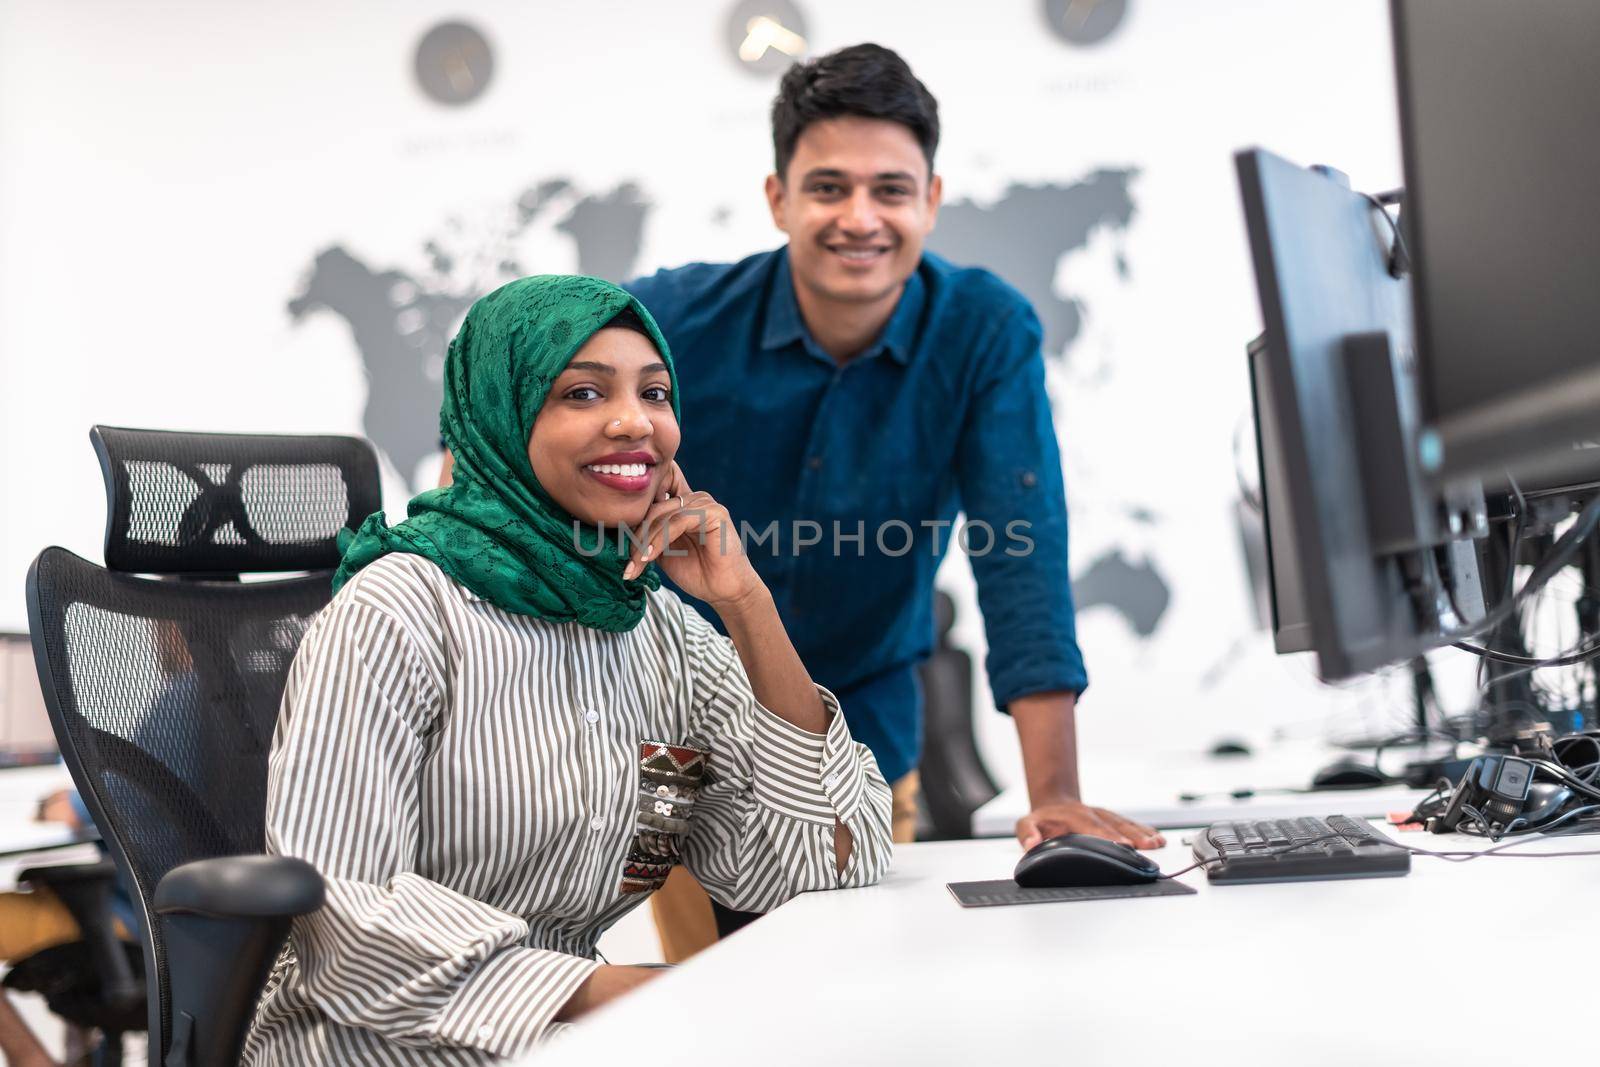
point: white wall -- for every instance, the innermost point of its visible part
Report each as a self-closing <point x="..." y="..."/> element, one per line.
<point x="169" y="171"/>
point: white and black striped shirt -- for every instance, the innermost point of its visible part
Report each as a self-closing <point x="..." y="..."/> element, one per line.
<point x="468" y="781"/>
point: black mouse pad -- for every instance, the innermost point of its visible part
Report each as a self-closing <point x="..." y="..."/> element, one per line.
<point x="1005" y="891"/>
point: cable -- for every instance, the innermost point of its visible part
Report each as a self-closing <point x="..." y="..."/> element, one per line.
<point x="1476" y="822"/>
<point x="1581" y="655"/>
<point x="1185" y="870"/>
<point x="1399" y="258"/>
<point x="1478" y="819"/>
<point x="1451" y="855"/>
<point x="1568" y="817"/>
<point x="1560" y="555"/>
<point x="1274" y="852"/>
<point x="1512" y="829"/>
<point x="1466" y="855"/>
<point x="1592" y="770"/>
<point x="1526" y="666"/>
<point x="1561" y="774"/>
<point x="1435" y="803"/>
<point x="1516" y="534"/>
<point x="1519" y="521"/>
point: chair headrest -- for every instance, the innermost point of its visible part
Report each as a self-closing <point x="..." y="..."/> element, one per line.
<point x="223" y="504"/>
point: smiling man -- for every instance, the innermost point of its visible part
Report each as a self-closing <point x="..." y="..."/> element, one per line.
<point x="847" y="396"/>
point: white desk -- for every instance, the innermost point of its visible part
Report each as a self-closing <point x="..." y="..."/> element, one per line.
<point x="1145" y="785"/>
<point x="24" y="842"/>
<point x="898" y="973"/>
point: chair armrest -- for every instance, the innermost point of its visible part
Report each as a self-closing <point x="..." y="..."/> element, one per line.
<point x="223" y="923"/>
<point x="70" y="873"/>
<point x="241" y="887"/>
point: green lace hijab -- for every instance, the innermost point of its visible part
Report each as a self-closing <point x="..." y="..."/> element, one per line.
<point x="495" y="529"/>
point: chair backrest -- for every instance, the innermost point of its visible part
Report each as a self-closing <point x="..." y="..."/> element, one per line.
<point x="164" y="693"/>
<point x="955" y="783"/>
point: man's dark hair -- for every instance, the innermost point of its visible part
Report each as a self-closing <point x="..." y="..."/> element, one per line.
<point x="866" y="80"/>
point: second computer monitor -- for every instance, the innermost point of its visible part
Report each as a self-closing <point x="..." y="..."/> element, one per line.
<point x="1500" y="124"/>
<point x="1368" y="566"/>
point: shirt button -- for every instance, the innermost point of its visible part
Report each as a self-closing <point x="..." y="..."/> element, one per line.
<point x="485" y="1032"/>
<point x="1029" y="479"/>
<point x="597" y="824"/>
<point x="591" y="716"/>
<point x="831" y="780"/>
<point x="815" y="462"/>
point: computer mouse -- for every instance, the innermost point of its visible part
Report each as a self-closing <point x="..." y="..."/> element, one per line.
<point x="1544" y="800"/>
<point x="1081" y="860"/>
<point x="1348" y="772"/>
<point x="1230" y="746"/>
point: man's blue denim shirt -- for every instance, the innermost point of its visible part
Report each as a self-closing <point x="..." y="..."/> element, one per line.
<point x="945" y="413"/>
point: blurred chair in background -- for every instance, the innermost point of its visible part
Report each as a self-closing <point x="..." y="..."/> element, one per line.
<point x="955" y="783"/>
<point x="70" y="949"/>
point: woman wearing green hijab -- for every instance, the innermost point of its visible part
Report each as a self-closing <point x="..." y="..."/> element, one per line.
<point x="503" y="733"/>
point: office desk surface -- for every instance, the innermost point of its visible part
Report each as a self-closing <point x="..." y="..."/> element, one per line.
<point x="24" y="842"/>
<point x="1390" y="971"/>
<point x="1145" y="785"/>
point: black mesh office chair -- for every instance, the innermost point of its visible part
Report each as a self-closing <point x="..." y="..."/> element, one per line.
<point x="955" y="783"/>
<point x="164" y="694"/>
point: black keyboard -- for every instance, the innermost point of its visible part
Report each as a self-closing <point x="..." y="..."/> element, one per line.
<point x="1298" y="850"/>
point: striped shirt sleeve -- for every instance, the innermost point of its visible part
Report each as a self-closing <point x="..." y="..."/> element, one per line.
<point x="391" y="951"/>
<point x="763" y="825"/>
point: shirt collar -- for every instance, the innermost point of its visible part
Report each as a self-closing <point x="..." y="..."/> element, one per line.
<point x="899" y="336"/>
<point x="784" y="326"/>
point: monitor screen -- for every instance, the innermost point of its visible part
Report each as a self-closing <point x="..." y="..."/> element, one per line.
<point x="24" y="722"/>
<point x="1500" y="130"/>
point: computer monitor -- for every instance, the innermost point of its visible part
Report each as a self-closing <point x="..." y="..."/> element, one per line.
<point x="1370" y="565"/>
<point x="25" y="733"/>
<point x="1500" y="132"/>
<point x="1291" y="628"/>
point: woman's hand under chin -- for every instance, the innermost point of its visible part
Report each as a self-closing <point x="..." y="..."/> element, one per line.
<point x="703" y="554"/>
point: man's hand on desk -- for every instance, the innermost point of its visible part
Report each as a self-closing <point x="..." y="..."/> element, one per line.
<point x="1047" y="729"/>
<point x="1075" y="817"/>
